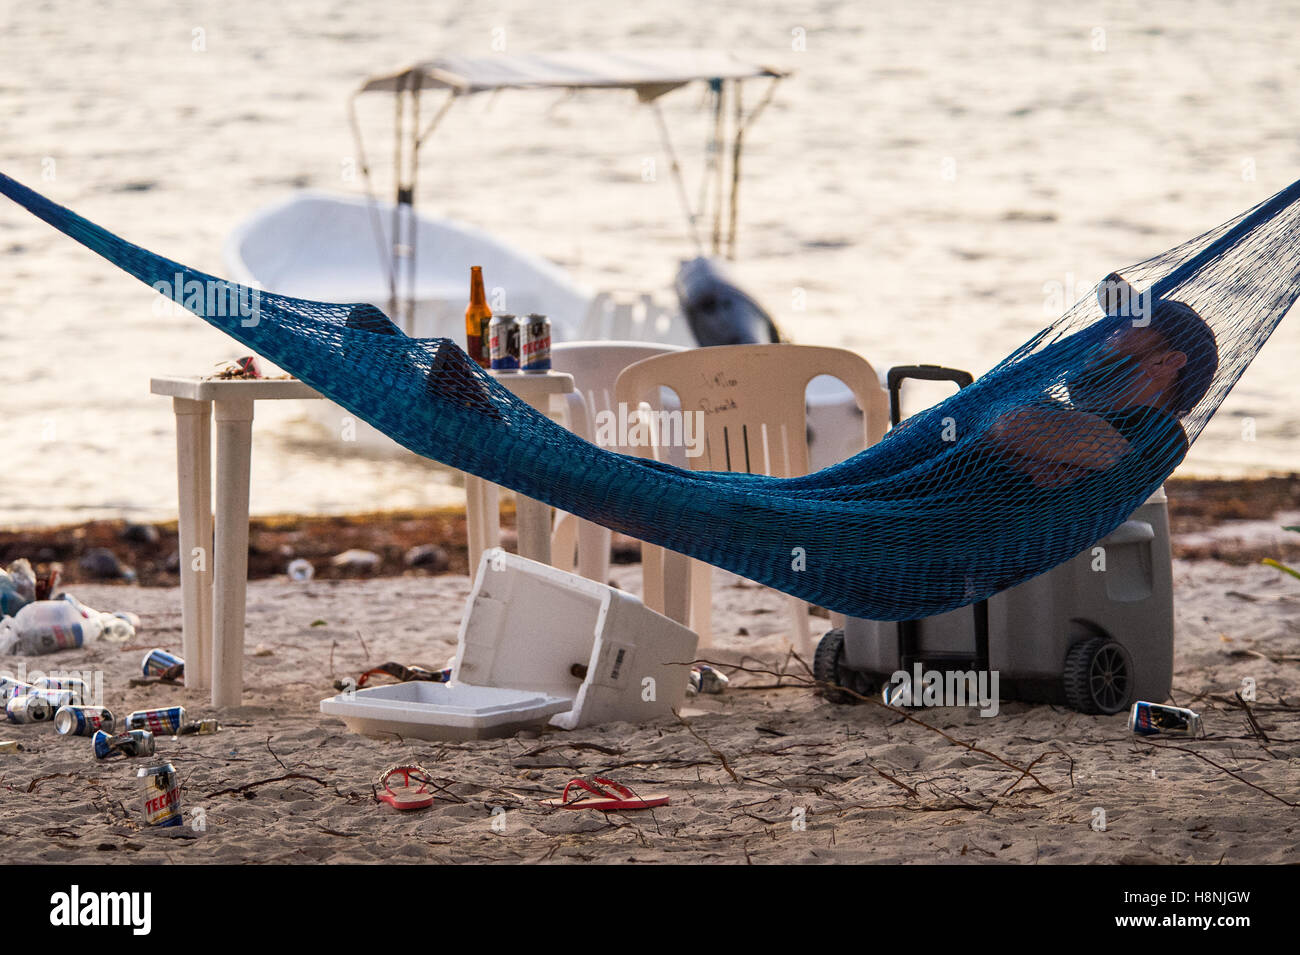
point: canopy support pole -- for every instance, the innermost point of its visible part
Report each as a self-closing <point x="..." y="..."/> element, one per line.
<point x="399" y="117"/>
<point x="742" y="124"/>
<point x="677" y="176"/>
<point x="371" y="198"/>
<point x="412" y="225"/>
<point x="715" y="165"/>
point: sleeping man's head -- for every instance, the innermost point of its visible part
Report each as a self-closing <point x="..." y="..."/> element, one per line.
<point x="1165" y="360"/>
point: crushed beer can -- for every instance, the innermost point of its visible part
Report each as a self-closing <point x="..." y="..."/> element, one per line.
<point x="32" y="708"/>
<point x="1157" y="719"/>
<point x="162" y="795"/>
<point x="158" y="662"/>
<point x="896" y="694"/>
<point x="82" y="720"/>
<point x="131" y="743"/>
<point x="167" y="720"/>
<point x="705" y="679"/>
<point x="199" y="728"/>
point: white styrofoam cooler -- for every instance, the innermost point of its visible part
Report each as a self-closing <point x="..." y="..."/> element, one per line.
<point x="528" y="630"/>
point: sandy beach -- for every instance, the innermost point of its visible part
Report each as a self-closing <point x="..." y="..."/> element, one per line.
<point x="935" y="183"/>
<point x="758" y="774"/>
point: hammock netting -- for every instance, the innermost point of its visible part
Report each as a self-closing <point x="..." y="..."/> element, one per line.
<point x="1037" y="460"/>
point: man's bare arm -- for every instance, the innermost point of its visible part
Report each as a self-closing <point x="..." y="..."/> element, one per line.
<point x="1059" y="436"/>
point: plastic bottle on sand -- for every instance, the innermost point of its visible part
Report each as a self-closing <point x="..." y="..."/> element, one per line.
<point x="45" y="626"/>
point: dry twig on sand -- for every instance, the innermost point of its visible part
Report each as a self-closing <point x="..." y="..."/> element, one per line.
<point x="1223" y="769"/>
<point x="709" y="746"/>
<point x="819" y="684"/>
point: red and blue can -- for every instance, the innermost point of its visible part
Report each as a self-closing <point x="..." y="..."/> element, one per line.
<point x="82" y="720"/>
<point x="158" y="662"/>
<point x="30" y="708"/>
<point x="1157" y="719"/>
<point x="503" y="342"/>
<point x="9" y="688"/>
<point x="167" y="720"/>
<point x="162" y="795"/>
<point x="535" y="344"/>
<point x="80" y="692"/>
<point x="133" y="743"/>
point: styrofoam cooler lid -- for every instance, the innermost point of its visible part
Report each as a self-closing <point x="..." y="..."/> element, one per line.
<point x="444" y="704"/>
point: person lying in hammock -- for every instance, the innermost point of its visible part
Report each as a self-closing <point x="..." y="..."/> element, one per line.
<point x="1123" y="407"/>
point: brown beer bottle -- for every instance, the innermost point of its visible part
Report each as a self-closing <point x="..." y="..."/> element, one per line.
<point x="477" y="317"/>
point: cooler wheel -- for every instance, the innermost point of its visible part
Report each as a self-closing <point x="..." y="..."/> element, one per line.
<point x="828" y="667"/>
<point x="1098" y="676"/>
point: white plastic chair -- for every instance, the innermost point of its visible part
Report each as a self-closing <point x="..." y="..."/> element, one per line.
<point x="620" y="318"/>
<point x="753" y="399"/>
<point x="595" y="367"/>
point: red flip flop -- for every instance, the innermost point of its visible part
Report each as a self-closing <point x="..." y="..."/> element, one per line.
<point x="598" y="792"/>
<point x="406" y="796"/>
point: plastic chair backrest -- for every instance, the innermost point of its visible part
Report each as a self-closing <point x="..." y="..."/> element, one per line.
<point x="615" y="317"/>
<point x="753" y="401"/>
<point x="595" y="366"/>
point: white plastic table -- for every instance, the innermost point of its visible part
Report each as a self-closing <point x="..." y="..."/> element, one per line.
<point x="214" y="576"/>
<point x="214" y="584"/>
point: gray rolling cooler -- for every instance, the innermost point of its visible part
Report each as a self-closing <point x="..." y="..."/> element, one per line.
<point x="1095" y="640"/>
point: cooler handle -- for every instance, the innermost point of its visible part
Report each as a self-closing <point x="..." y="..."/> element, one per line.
<point x="900" y="373"/>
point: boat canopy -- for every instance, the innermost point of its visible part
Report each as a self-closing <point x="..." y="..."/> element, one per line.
<point x="651" y="73"/>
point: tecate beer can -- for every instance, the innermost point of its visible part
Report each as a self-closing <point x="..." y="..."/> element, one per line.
<point x="82" y="720"/>
<point x="31" y="708"/>
<point x="9" y="688"/>
<point x="133" y="743"/>
<point x="1156" y="719"/>
<point x="157" y="662"/>
<point x="77" y="688"/>
<point x="167" y="720"/>
<point x="535" y="344"/>
<point x="162" y="795"/>
<point x="503" y="342"/>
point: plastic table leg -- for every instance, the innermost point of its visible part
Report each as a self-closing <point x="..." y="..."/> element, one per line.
<point x="194" y="493"/>
<point x="230" y="583"/>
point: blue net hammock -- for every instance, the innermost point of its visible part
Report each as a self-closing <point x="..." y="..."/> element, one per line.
<point x="1037" y="460"/>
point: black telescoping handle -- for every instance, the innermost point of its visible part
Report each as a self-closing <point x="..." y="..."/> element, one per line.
<point x="897" y="375"/>
<point x="909" y="630"/>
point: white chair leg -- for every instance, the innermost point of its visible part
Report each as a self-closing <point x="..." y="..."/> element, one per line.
<point x="591" y="540"/>
<point x="802" y="629"/>
<point x="482" y="519"/>
<point x="533" y="524"/>
<point x="564" y="542"/>
<point x="652" y="577"/>
<point x="594" y="543"/>
<point x="666" y="585"/>
<point x="701" y="602"/>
